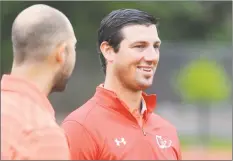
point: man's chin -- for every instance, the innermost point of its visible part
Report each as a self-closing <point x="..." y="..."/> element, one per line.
<point x="144" y="85"/>
<point x="60" y="88"/>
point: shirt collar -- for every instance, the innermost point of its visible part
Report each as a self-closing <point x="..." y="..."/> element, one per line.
<point x="109" y="99"/>
<point x="144" y="108"/>
<point x="22" y="86"/>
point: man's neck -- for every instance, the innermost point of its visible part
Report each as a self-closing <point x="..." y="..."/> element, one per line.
<point x="131" y="98"/>
<point x="37" y="76"/>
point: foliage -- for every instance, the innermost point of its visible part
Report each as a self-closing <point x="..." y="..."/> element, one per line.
<point x="203" y="80"/>
<point x="179" y="21"/>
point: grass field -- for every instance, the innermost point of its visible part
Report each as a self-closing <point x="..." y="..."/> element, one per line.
<point x="207" y="154"/>
<point x="217" y="149"/>
<point x="214" y="142"/>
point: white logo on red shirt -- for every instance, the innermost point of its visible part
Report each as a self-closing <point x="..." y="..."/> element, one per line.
<point x="121" y="141"/>
<point x="163" y="143"/>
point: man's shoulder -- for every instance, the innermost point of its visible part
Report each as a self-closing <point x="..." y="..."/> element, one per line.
<point x="163" y="122"/>
<point x="23" y="109"/>
<point x="16" y="99"/>
<point x="14" y="104"/>
<point x="83" y="113"/>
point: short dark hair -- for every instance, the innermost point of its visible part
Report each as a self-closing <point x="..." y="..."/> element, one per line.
<point x="111" y="25"/>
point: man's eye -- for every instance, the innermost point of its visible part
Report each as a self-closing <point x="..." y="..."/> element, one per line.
<point x="139" y="46"/>
<point x="156" y="47"/>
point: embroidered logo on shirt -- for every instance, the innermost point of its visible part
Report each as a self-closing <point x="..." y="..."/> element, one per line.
<point x="162" y="143"/>
<point x="120" y="142"/>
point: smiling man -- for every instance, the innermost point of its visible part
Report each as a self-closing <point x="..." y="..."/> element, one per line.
<point x="118" y="122"/>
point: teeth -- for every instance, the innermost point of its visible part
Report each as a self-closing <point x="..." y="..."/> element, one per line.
<point x="146" y="69"/>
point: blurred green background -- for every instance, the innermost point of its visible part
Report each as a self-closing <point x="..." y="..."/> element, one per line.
<point x="194" y="78"/>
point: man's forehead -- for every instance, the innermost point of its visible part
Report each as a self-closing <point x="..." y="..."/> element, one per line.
<point x="134" y="33"/>
<point x="73" y="39"/>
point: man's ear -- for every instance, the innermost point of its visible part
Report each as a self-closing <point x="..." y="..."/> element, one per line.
<point x="60" y="53"/>
<point x="107" y="51"/>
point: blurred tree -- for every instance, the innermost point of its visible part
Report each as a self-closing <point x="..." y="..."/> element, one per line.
<point x="203" y="82"/>
<point x="179" y="21"/>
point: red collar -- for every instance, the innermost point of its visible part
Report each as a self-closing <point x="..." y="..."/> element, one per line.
<point x="109" y="99"/>
<point x="22" y="86"/>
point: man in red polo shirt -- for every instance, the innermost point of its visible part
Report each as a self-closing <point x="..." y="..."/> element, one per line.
<point x="118" y="122"/>
<point x="43" y="42"/>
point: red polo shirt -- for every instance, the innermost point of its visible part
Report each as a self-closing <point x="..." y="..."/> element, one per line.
<point x="104" y="129"/>
<point x="28" y="127"/>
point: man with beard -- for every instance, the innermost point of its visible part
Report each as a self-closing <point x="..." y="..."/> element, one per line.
<point x="118" y="122"/>
<point x="43" y="60"/>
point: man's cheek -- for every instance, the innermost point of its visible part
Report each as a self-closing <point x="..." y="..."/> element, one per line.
<point x="139" y="57"/>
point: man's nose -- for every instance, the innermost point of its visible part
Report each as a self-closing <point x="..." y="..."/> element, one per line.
<point x="152" y="55"/>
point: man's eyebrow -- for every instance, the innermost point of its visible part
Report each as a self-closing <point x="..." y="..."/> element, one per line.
<point x="158" y="42"/>
<point x="139" y="42"/>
